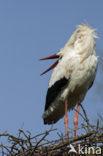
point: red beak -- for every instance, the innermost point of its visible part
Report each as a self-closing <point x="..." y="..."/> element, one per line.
<point x="50" y="57"/>
<point x="51" y="67"/>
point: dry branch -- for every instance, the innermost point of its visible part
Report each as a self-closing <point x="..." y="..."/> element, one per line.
<point x="26" y="145"/>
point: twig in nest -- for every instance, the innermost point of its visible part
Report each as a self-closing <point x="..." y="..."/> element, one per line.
<point x="87" y="120"/>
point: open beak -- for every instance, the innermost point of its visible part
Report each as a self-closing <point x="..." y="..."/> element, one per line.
<point x="52" y="66"/>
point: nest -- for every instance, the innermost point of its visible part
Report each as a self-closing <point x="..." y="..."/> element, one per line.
<point x="87" y="144"/>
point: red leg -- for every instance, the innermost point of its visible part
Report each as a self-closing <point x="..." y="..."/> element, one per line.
<point x="76" y="119"/>
<point x="66" y="120"/>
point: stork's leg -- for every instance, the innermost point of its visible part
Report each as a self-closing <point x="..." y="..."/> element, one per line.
<point x="66" y="120"/>
<point x="76" y="119"/>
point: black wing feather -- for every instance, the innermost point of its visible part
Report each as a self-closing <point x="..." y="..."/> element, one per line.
<point x="54" y="90"/>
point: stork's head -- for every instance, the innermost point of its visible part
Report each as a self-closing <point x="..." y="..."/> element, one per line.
<point x="82" y="39"/>
<point x="83" y="35"/>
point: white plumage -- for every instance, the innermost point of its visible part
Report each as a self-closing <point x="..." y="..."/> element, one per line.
<point x="73" y="75"/>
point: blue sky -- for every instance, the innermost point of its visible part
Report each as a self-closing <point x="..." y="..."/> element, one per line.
<point x="30" y="30"/>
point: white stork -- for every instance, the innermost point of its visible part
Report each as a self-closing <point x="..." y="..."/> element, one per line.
<point x="72" y="77"/>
